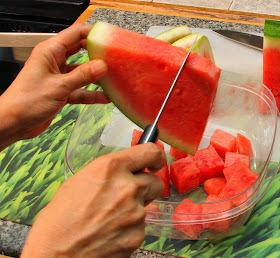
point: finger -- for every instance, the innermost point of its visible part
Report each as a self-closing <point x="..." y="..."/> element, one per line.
<point x="76" y="48"/>
<point x="141" y="156"/>
<point x="82" y="96"/>
<point x="84" y="74"/>
<point x="66" y="68"/>
<point x="73" y="35"/>
<point x="152" y="187"/>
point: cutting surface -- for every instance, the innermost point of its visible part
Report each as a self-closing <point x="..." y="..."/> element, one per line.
<point x="229" y="55"/>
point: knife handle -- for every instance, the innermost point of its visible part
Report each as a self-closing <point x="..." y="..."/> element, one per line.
<point x="150" y="134"/>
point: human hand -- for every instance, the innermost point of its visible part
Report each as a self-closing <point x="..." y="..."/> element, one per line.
<point x="99" y="212"/>
<point x="46" y="84"/>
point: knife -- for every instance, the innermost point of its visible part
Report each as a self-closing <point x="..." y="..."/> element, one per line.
<point x="246" y="39"/>
<point x="151" y="132"/>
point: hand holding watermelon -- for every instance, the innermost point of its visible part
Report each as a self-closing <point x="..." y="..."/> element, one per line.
<point x="46" y="84"/>
<point x="99" y="210"/>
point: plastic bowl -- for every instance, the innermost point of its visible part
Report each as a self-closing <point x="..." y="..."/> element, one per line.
<point x="102" y="129"/>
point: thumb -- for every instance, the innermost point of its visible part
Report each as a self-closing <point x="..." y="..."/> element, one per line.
<point x="85" y="74"/>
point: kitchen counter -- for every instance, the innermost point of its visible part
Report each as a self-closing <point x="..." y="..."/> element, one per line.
<point x="12" y="234"/>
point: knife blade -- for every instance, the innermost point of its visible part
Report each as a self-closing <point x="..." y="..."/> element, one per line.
<point x="243" y="38"/>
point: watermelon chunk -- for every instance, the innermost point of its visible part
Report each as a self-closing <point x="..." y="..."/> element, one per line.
<point x="214" y="186"/>
<point x="152" y="211"/>
<point x="209" y="163"/>
<point x="140" y="72"/>
<point x="228" y="171"/>
<point x="244" y="145"/>
<point x="233" y="158"/>
<point x="184" y="175"/>
<point x="216" y="205"/>
<point x="271" y="58"/>
<point x="163" y="174"/>
<point x="192" y="212"/>
<point x="136" y="135"/>
<point x="241" y="179"/>
<point x="223" y="142"/>
<point x="177" y="154"/>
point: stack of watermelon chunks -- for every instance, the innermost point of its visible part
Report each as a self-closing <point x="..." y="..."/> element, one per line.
<point x="222" y="169"/>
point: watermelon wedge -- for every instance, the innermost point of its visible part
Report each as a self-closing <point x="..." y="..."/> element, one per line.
<point x="141" y="70"/>
<point x="271" y="58"/>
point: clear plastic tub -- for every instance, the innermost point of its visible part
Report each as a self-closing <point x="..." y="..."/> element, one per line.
<point x="102" y="129"/>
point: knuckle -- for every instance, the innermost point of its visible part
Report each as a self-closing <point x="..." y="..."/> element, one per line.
<point x="136" y="215"/>
<point x="135" y="240"/>
<point x="154" y="149"/>
<point x="109" y="164"/>
<point x="83" y="74"/>
<point x="131" y="189"/>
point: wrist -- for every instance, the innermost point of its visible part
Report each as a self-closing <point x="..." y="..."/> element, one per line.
<point x="8" y="127"/>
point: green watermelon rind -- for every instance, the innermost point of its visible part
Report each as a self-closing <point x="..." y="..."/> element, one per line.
<point x="272" y="28"/>
<point x="187" y="40"/>
<point x="271" y="42"/>
<point x="174" y="34"/>
<point x="100" y="30"/>
<point x="201" y="45"/>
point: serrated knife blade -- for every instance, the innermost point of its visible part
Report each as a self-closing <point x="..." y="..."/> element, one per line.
<point x="243" y="38"/>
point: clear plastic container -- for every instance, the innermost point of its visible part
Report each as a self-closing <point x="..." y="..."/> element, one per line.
<point x="102" y="129"/>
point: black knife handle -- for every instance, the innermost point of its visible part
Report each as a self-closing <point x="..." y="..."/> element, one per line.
<point x="150" y="134"/>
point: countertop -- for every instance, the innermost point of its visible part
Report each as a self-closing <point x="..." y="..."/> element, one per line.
<point x="12" y="234"/>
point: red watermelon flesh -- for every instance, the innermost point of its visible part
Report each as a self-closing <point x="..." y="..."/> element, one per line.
<point x="193" y="212"/>
<point x="141" y="70"/>
<point x="228" y="171"/>
<point x="214" y="185"/>
<point x="223" y="142"/>
<point x="177" y="154"/>
<point x="233" y="158"/>
<point x="184" y="175"/>
<point x="244" y="145"/>
<point x="136" y="135"/>
<point x="209" y="163"/>
<point x="241" y="179"/>
<point x="152" y="211"/>
<point x="163" y="174"/>
<point x="271" y="58"/>
<point x="216" y="205"/>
